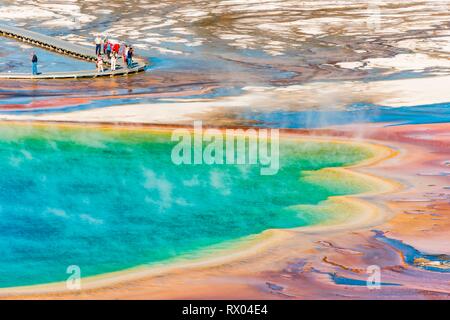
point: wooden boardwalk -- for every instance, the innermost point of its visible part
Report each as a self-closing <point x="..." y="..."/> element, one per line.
<point x="65" y="48"/>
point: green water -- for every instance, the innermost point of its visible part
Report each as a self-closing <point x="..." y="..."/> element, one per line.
<point x="111" y="200"/>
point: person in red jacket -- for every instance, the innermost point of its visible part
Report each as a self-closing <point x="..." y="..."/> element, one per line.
<point x="116" y="48"/>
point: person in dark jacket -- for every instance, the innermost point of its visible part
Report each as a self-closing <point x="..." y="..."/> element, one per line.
<point x="34" y="62"/>
<point x="130" y="57"/>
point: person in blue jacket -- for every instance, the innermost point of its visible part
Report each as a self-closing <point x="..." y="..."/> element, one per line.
<point x="34" y="64"/>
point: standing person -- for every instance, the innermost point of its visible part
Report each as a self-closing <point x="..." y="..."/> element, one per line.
<point x="34" y="62"/>
<point x="125" y="55"/>
<point x="98" y="45"/>
<point x="105" y="43"/>
<point x="100" y="63"/>
<point x="130" y="57"/>
<point x="108" y="49"/>
<point x="113" y="61"/>
<point x="116" y="48"/>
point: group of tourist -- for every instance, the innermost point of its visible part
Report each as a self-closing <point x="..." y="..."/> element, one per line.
<point x="104" y="48"/>
<point x="112" y="51"/>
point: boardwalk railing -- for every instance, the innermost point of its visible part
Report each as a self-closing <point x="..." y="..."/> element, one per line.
<point x="47" y="42"/>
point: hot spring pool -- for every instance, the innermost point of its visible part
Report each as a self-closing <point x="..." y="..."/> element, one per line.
<point x="108" y="199"/>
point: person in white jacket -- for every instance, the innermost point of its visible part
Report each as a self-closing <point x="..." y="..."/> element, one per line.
<point x="98" y="44"/>
<point x="113" y="61"/>
<point x="100" y="63"/>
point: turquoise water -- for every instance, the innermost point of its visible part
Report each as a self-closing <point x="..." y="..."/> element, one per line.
<point x="109" y="200"/>
<point x="355" y="113"/>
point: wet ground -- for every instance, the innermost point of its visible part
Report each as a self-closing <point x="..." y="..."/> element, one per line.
<point x="16" y="58"/>
<point x="228" y="45"/>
